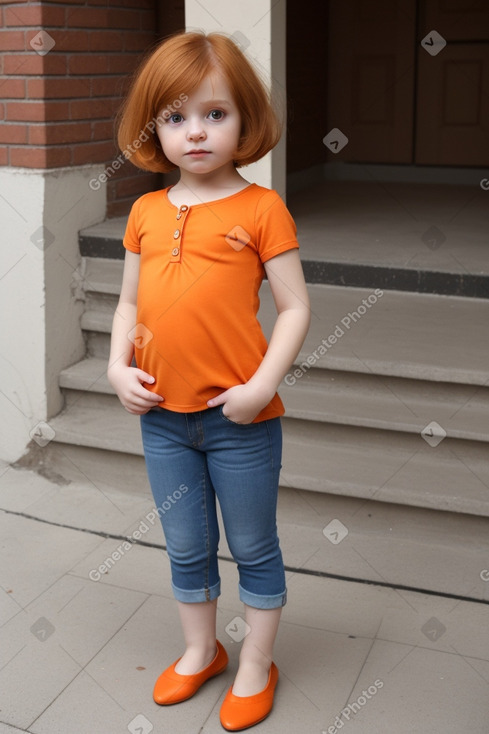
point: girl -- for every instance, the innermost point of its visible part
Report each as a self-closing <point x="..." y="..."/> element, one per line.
<point x="205" y="382"/>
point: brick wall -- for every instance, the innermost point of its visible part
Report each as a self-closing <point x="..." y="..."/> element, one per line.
<point x="65" y="70"/>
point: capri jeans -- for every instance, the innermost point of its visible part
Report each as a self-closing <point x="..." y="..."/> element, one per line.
<point x="194" y="458"/>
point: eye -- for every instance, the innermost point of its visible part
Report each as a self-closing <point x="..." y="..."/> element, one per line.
<point x="216" y="114"/>
<point x="175" y="118"/>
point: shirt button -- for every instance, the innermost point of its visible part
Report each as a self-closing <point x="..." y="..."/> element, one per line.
<point x="175" y="251"/>
<point x="176" y="234"/>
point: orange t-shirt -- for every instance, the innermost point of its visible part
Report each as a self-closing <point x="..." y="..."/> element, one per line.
<point x="201" y="269"/>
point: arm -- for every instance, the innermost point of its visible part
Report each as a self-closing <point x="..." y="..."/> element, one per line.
<point x="128" y="381"/>
<point x="244" y="402"/>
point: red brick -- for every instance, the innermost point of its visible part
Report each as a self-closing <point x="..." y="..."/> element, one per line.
<point x="138" y="41"/>
<point x="88" y="64"/>
<point x="124" y="19"/>
<point x="52" y="88"/>
<point x="21" y="64"/>
<point x="85" y="109"/>
<point x="133" y="3"/>
<point x="108" y="86"/>
<point x="148" y="22"/>
<point x="4" y="156"/>
<point x="50" y="157"/>
<point x="103" y="130"/>
<point x="12" y="88"/>
<point x="13" y="133"/>
<point x="52" y="133"/>
<point x="127" y="169"/>
<point x="69" y="40"/>
<point x="22" y="16"/>
<point x="38" y="111"/>
<point x="118" y="208"/>
<point x="133" y="185"/>
<point x="93" y="153"/>
<point x="84" y="17"/>
<point x="123" y="64"/>
<point x="106" y="41"/>
<point x="12" y="41"/>
<point x="58" y="156"/>
<point x="68" y="2"/>
<point x="3" y="112"/>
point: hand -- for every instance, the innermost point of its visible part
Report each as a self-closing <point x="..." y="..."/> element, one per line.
<point x="242" y="403"/>
<point x="128" y="384"/>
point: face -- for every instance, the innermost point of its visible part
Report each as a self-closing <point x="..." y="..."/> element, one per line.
<point x="202" y="137"/>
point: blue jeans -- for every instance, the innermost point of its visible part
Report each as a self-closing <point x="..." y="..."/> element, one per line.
<point x="191" y="459"/>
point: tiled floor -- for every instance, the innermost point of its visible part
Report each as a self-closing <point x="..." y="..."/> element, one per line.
<point x="80" y="650"/>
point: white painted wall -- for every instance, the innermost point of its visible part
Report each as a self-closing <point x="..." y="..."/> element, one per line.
<point x="259" y="27"/>
<point x="41" y="213"/>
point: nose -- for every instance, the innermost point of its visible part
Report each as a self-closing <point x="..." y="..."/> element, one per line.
<point x="196" y="130"/>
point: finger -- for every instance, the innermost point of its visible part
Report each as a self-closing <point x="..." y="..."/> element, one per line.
<point x="151" y="396"/>
<point x="144" y="376"/>
<point x="140" y="402"/>
<point x="218" y="400"/>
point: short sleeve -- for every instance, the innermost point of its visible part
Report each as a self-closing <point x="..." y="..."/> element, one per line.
<point x="275" y="228"/>
<point x="131" y="235"/>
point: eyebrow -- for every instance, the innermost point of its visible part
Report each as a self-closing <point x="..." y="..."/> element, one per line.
<point x="210" y="102"/>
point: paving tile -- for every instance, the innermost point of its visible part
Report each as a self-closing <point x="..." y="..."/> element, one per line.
<point x="46" y="645"/>
<point x="438" y="624"/>
<point x="87" y="501"/>
<point x="336" y="606"/>
<point x="32" y="560"/>
<point x="89" y="651"/>
<point x="119" y="681"/>
<point x="422" y="690"/>
<point x="138" y="568"/>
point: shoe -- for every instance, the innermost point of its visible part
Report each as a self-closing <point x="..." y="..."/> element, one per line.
<point x="241" y="712"/>
<point x="171" y="687"/>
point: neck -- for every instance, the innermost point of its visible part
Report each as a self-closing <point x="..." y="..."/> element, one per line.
<point x="220" y="180"/>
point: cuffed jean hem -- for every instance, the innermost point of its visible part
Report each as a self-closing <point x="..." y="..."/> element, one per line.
<point x="197" y="595"/>
<point x="262" y="602"/>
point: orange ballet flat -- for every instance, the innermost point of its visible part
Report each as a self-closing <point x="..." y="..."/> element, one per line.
<point x="241" y="712"/>
<point x="171" y="687"/>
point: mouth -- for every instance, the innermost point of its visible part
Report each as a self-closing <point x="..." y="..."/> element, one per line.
<point x="198" y="152"/>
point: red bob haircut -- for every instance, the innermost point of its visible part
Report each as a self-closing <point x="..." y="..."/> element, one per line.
<point x="170" y="74"/>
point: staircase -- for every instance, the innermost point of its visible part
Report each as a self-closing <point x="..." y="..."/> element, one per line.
<point x="392" y="411"/>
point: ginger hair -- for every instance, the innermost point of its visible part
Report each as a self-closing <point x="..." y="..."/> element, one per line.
<point x="169" y="75"/>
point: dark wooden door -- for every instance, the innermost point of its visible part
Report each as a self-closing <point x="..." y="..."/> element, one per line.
<point x="409" y="82"/>
<point x="371" y="78"/>
<point x="452" y="109"/>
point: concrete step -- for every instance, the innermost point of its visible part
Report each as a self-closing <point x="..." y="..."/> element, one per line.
<point x="108" y="492"/>
<point x="409" y="335"/>
<point x="374" y="233"/>
<point x="347" y="398"/>
<point x="321" y="457"/>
